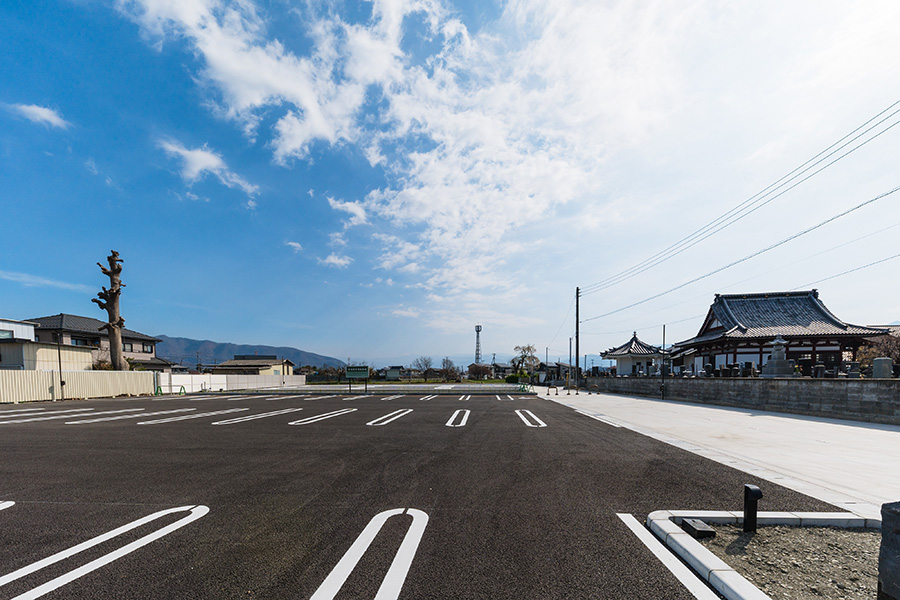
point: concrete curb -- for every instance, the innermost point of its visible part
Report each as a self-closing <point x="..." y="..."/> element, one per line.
<point x="665" y="524"/>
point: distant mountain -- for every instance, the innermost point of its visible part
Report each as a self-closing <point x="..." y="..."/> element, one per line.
<point x="184" y="351"/>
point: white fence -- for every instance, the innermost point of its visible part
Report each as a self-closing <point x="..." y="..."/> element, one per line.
<point x="31" y="386"/>
<point x="170" y="383"/>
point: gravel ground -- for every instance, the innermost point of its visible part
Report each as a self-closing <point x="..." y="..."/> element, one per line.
<point x="800" y="563"/>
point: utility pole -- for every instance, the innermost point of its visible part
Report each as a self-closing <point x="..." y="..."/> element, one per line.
<point x="577" y="302"/>
<point x="662" y="387"/>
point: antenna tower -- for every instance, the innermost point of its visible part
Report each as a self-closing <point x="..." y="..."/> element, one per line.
<point x="478" y="344"/>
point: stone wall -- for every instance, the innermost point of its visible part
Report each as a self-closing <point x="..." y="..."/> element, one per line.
<point x="871" y="400"/>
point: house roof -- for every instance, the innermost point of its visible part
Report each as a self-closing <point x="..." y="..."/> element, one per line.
<point x="77" y="324"/>
<point x="764" y="316"/>
<point x="633" y="347"/>
<point x="264" y="361"/>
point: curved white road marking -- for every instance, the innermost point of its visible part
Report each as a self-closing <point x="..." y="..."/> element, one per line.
<point x="259" y="416"/>
<point x="323" y="416"/>
<point x="396" y="575"/>
<point x="196" y="512"/>
<point x="462" y="422"/>
<point x="104" y="412"/>
<point x="536" y="422"/>
<point x="192" y="416"/>
<point x="6" y="504"/>
<point x="390" y="417"/>
<point x="137" y="416"/>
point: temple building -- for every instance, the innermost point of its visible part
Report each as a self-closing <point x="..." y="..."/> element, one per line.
<point x="740" y="328"/>
<point x="635" y="357"/>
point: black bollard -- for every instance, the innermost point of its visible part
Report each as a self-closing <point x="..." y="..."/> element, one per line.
<point x="752" y="494"/>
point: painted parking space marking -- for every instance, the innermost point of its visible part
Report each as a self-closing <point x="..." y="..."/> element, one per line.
<point x="530" y="419"/>
<point x="322" y="397"/>
<point x="288" y="396"/>
<point x="681" y="571"/>
<point x="6" y="504"/>
<point x="195" y="512"/>
<point x="132" y="416"/>
<point x="213" y="397"/>
<point x="358" y="397"/>
<point x="192" y="416"/>
<point x="463" y="415"/>
<point x="466" y="397"/>
<point x="396" y="575"/>
<point x="259" y="416"/>
<point x="393" y="397"/>
<point x="55" y="412"/>
<point x="390" y="417"/>
<point x="323" y="416"/>
<point x="20" y="411"/>
<point x="431" y="397"/>
<point x="69" y="416"/>
<point x="598" y="418"/>
<point x="507" y="399"/>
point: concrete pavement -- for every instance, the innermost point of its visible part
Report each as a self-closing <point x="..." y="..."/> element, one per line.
<point x="850" y="464"/>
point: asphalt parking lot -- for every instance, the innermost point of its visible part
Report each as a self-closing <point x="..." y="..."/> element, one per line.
<point x="340" y="496"/>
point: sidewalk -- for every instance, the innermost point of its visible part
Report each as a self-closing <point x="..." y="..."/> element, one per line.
<point x="853" y="465"/>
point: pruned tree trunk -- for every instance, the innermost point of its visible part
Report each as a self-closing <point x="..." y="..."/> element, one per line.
<point x="108" y="300"/>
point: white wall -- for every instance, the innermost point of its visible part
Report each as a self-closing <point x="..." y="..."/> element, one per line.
<point x="30" y="386"/>
<point x="171" y="383"/>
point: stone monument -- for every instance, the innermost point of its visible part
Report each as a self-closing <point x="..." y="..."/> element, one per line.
<point x="778" y="365"/>
<point x="882" y="368"/>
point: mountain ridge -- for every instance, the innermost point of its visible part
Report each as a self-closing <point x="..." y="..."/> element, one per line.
<point x="185" y="351"/>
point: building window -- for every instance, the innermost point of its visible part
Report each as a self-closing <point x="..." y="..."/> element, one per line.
<point x="6" y="334"/>
<point x="127" y="347"/>
<point x="148" y="348"/>
<point x="84" y="342"/>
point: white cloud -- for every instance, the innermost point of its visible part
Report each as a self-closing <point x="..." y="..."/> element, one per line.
<point x="196" y="163"/>
<point x="41" y="115"/>
<point x="91" y="166"/>
<point x="295" y="246"/>
<point x="356" y="211"/>
<point x="37" y="281"/>
<point x="336" y="260"/>
<point x="406" y="312"/>
<point x="337" y="239"/>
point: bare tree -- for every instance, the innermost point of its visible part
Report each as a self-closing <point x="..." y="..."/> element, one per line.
<point x="108" y="300"/>
<point x="448" y="369"/>
<point x="525" y="360"/>
<point x="479" y="372"/>
<point x="423" y="363"/>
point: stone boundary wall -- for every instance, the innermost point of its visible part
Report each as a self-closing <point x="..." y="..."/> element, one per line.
<point x="869" y="400"/>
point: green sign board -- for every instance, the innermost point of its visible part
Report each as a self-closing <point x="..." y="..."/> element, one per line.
<point x="357" y="372"/>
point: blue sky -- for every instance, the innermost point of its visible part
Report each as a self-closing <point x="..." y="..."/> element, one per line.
<point x="369" y="180"/>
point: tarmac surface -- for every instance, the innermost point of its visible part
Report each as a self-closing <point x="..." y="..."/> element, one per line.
<point x="418" y="496"/>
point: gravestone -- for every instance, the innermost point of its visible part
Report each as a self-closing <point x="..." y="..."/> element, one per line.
<point x="778" y="365"/>
<point x="882" y="368"/>
<point x="854" y="371"/>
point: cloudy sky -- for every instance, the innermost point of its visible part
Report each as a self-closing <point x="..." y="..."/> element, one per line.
<point x="369" y="180"/>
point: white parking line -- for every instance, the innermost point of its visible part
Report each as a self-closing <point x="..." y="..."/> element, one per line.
<point x="196" y="512"/>
<point x="396" y="575"/>
<point x="288" y="396"/>
<point x="507" y="399"/>
<point x="55" y="412"/>
<point x="693" y="584"/>
<point x="212" y="398"/>
<point x="598" y="418"/>
<point x="192" y="416"/>
<point x="393" y="397"/>
<point x="6" y="504"/>
<point x="431" y="397"/>
<point x="469" y="397"/>
<point x="22" y="410"/>
<point x="42" y="418"/>
<point x="322" y="417"/>
<point x="462" y="422"/>
<point x="322" y="397"/>
<point x="358" y="397"/>
<point x="137" y="416"/>
<point x="390" y="417"/>
<point x="259" y="416"/>
<point x="537" y="422"/>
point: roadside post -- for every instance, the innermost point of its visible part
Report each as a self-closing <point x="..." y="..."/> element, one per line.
<point x="356" y="373"/>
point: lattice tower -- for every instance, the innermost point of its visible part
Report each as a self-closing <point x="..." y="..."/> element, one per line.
<point x="478" y="344"/>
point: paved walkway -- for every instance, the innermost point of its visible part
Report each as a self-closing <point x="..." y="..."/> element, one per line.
<point x="853" y="465"/>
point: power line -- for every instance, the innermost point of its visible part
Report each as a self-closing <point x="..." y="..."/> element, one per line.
<point x="752" y="204"/>
<point x="871" y="264"/>
<point x="749" y="256"/>
<point x="568" y="312"/>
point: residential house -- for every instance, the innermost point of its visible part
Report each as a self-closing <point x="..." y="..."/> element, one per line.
<point x="253" y="364"/>
<point x="86" y="332"/>
<point x="19" y="350"/>
<point x="739" y="328"/>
